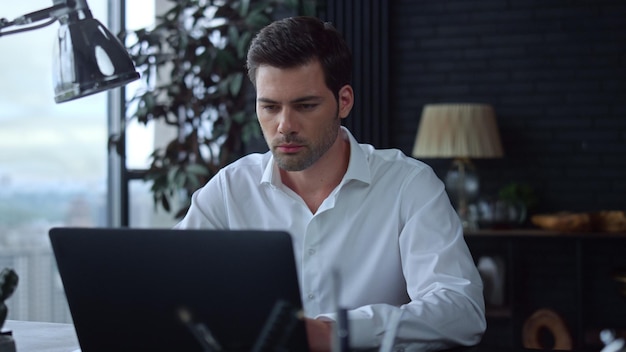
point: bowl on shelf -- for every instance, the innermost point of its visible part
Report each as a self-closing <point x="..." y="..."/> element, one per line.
<point x="563" y="221"/>
<point x="600" y="221"/>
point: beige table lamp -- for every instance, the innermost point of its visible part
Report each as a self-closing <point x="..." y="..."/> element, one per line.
<point x="461" y="131"/>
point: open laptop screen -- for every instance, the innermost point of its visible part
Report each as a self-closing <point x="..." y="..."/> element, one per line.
<point x="126" y="288"/>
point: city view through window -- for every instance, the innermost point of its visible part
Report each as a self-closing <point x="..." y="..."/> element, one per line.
<point x="53" y="160"/>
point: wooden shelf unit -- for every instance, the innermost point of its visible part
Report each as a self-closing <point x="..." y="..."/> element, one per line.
<point x="570" y="273"/>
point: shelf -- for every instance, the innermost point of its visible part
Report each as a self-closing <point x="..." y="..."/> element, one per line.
<point x="541" y="233"/>
<point x="569" y="273"/>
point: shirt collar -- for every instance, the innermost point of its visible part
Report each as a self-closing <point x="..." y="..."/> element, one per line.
<point x="358" y="166"/>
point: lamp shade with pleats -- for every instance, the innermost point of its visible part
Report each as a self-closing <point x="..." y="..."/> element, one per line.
<point x="464" y="130"/>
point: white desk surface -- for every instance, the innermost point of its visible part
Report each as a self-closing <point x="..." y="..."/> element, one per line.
<point x="33" y="336"/>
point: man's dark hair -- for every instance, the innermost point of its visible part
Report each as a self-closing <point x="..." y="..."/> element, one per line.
<point x="296" y="41"/>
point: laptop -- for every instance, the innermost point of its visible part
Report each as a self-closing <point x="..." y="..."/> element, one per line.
<point x="180" y="290"/>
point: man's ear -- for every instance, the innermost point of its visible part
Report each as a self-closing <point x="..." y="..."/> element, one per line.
<point x="346" y="100"/>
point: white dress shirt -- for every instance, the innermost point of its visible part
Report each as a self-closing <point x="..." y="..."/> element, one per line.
<point x="387" y="229"/>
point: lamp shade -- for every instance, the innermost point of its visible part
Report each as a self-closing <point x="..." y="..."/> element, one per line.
<point x="458" y="131"/>
<point x="88" y="58"/>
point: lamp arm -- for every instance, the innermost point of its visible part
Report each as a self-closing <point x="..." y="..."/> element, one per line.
<point x="29" y="28"/>
<point x="88" y="58"/>
<point x="59" y="9"/>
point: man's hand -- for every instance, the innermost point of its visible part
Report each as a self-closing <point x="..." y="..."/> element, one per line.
<point x="320" y="334"/>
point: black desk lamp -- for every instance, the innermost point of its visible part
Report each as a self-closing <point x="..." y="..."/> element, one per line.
<point x="87" y="58"/>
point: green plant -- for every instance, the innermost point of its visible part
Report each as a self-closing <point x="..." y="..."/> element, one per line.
<point x="192" y="65"/>
<point x="518" y="192"/>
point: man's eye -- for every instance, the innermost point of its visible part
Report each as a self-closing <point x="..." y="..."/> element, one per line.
<point x="270" y="108"/>
<point x="307" y="106"/>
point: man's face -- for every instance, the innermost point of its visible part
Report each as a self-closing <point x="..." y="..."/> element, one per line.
<point x="299" y="115"/>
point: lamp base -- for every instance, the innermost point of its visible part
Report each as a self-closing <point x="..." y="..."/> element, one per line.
<point x="462" y="185"/>
<point x="7" y="343"/>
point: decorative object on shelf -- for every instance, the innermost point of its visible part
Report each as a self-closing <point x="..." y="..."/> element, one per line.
<point x="8" y="284"/>
<point x="599" y="221"/>
<point x="546" y="320"/>
<point x="508" y="210"/>
<point x="611" y="342"/>
<point x="195" y="80"/>
<point x="87" y="58"/>
<point x="497" y="213"/>
<point x="609" y="221"/>
<point x="462" y="131"/>
<point x="492" y="271"/>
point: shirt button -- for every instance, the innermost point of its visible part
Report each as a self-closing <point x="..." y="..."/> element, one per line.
<point x="311" y="296"/>
<point x="311" y="251"/>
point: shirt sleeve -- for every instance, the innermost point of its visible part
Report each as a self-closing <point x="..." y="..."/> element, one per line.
<point x="205" y="212"/>
<point x="446" y="307"/>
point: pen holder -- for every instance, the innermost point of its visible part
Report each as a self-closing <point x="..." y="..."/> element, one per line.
<point x="7" y="344"/>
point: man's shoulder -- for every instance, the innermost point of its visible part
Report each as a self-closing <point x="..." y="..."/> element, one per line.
<point x="392" y="158"/>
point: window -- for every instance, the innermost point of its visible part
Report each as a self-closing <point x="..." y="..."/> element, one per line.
<point x="141" y="139"/>
<point x="53" y="164"/>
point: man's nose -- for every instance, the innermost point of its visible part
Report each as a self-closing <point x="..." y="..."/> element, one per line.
<point x="287" y="123"/>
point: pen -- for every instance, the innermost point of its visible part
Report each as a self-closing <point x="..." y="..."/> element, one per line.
<point x="200" y="332"/>
<point x="343" y="330"/>
<point x="341" y="342"/>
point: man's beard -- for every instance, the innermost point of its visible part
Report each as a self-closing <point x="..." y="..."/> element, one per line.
<point x="311" y="152"/>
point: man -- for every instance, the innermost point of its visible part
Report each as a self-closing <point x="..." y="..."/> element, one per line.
<point x="377" y="219"/>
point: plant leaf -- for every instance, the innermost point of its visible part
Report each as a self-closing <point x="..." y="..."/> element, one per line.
<point x="235" y="83"/>
<point x="197" y="169"/>
<point x="244" y="7"/>
<point x="257" y="19"/>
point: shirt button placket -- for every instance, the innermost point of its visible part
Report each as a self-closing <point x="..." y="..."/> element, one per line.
<point x="311" y="265"/>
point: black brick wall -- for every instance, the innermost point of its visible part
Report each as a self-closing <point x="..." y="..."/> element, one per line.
<point x="555" y="71"/>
